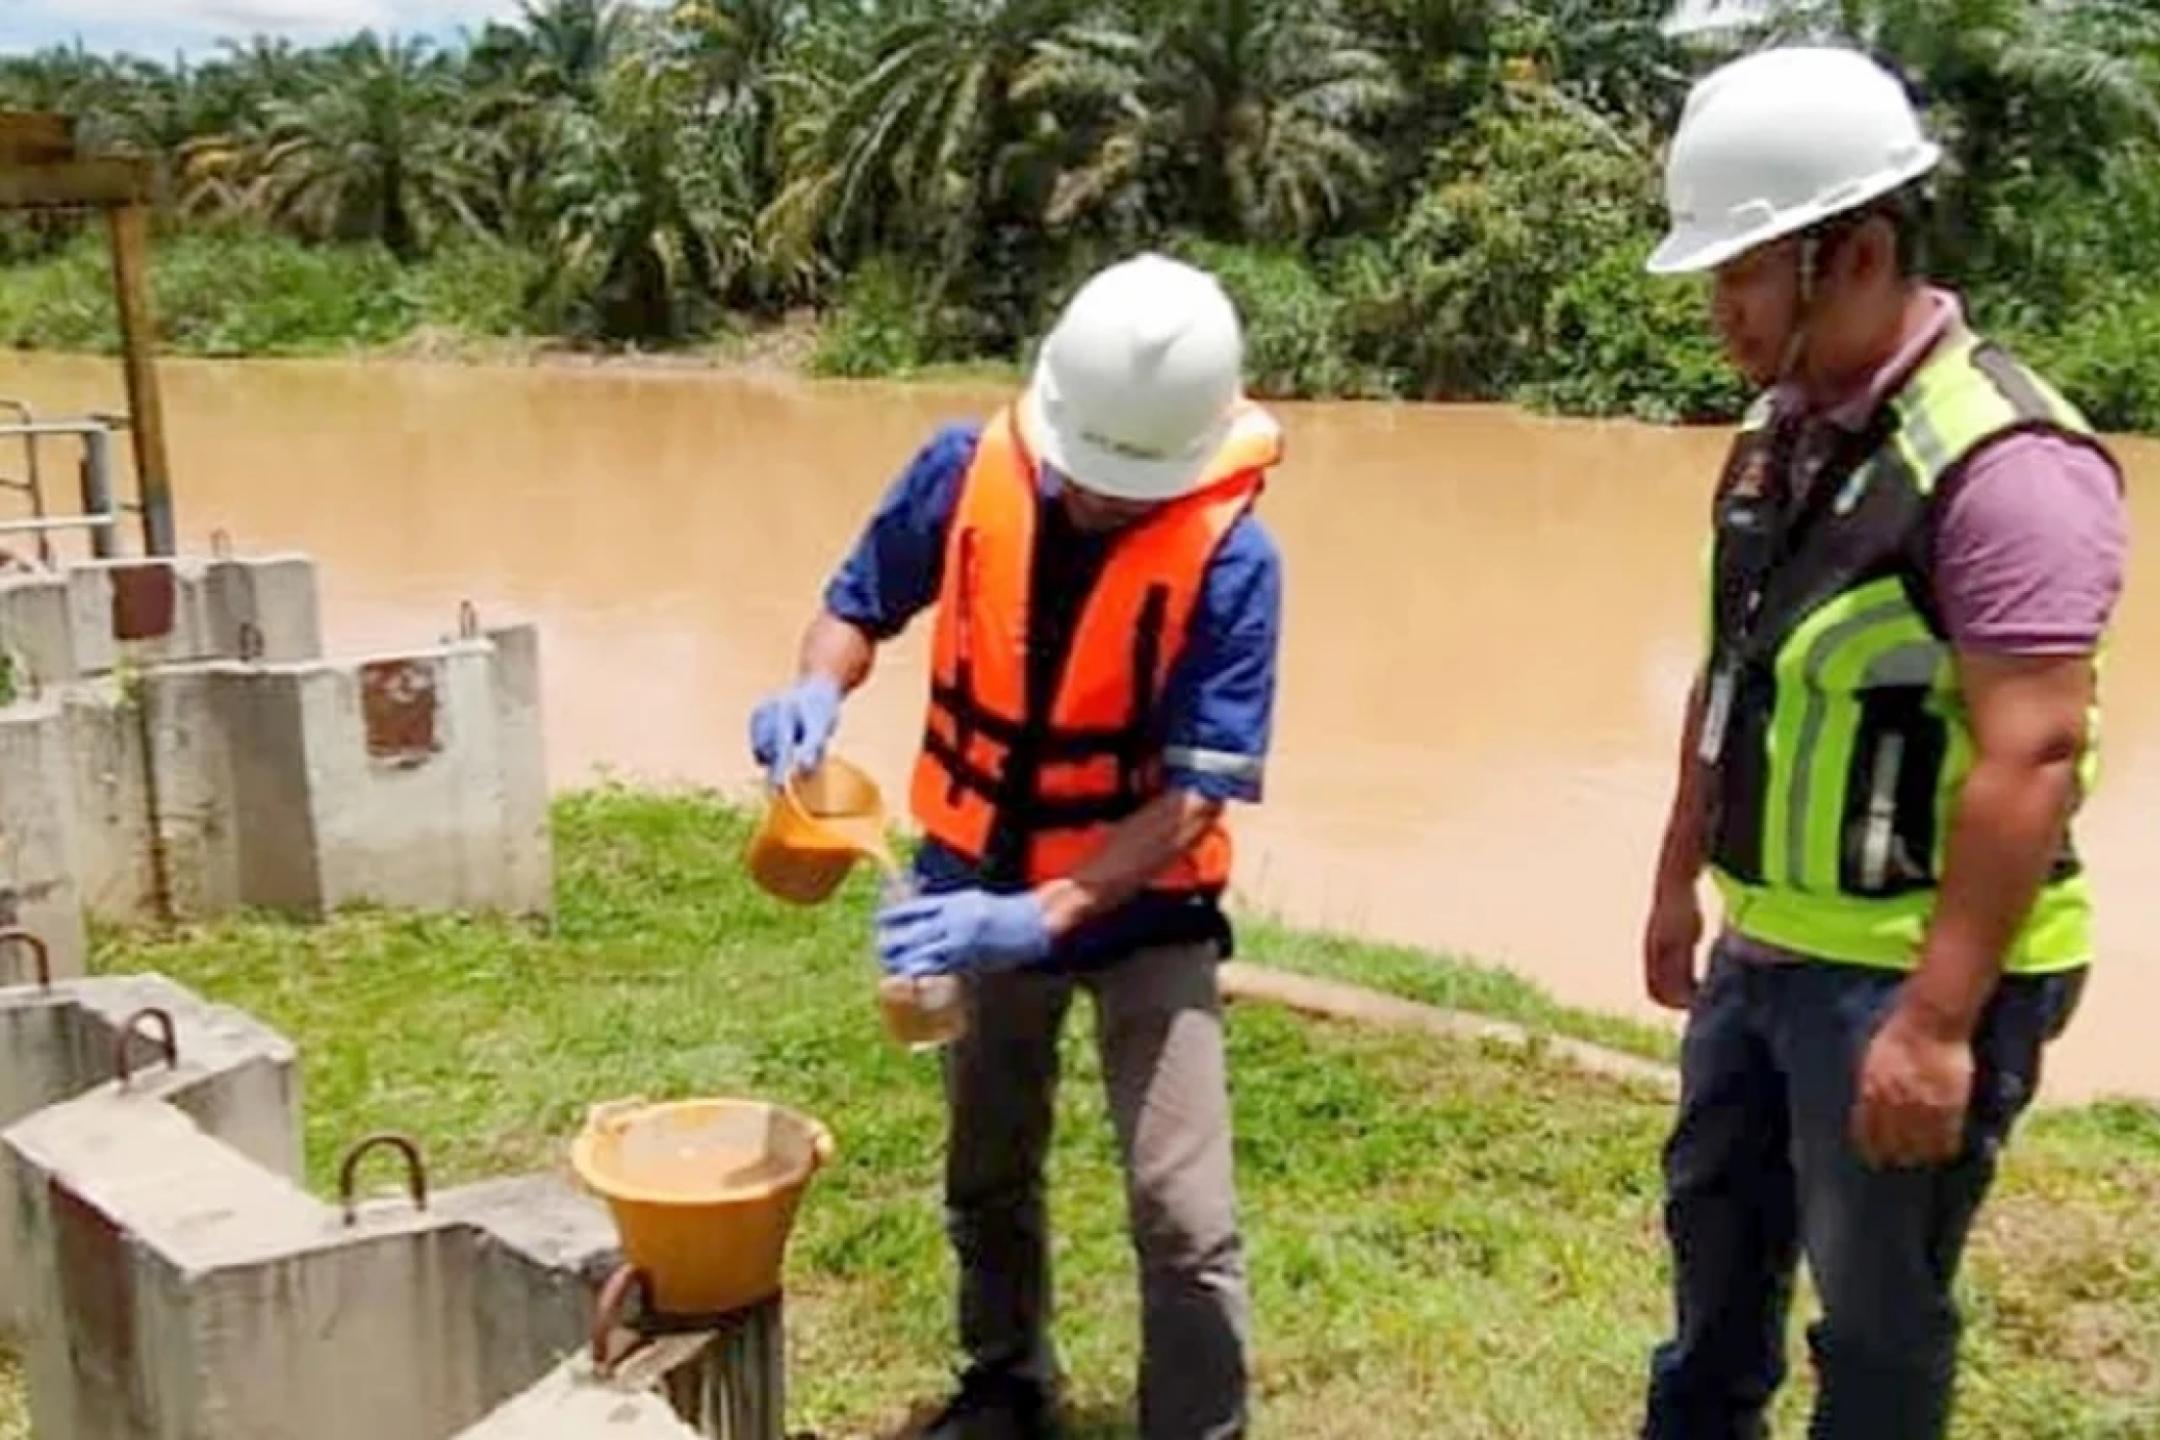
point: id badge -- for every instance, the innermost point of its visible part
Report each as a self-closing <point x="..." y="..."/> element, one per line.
<point x="1717" y="716"/>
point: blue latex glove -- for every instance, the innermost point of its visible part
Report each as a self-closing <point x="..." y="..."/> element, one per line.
<point x="789" y="732"/>
<point x="967" y="931"/>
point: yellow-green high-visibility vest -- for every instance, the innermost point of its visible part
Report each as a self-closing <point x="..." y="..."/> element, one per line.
<point x="1833" y="721"/>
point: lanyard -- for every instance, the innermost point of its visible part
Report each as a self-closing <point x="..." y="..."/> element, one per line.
<point x="1755" y="522"/>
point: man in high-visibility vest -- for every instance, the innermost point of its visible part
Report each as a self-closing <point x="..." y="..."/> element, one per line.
<point x="1918" y="545"/>
<point x="1102" y="681"/>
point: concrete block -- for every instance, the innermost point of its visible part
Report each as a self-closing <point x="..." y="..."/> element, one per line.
<point x="188" y="610"/>
<point x="55" y="630"/>
<point x="725" y="1383"/>
<point x="137" y="1227"/>
<point x="528" y="842"/>
<point x="237" y="1079"/>
<point x="74" y="815"/>
<point x="37" y="1056"/>
<point x="571" y="1405"/>
<point x="161" y="777"/>
<point x="89" y="618"/>
<point x="307" y="787"/>
<point x="542" y="1249"/>
<point x="112" y="802"/>
<point x="276" y="597"/>
<point x="271" y="810"/>
<point x="194" y="747"/>
<point x="154" y="611"/>
<point x="414" y="780"/>
<point x="405" y="780"/>
<point x="182" y="1291"/>
<point x="38" y="887"/>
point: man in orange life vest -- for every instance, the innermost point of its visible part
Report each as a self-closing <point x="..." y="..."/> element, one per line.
<point x="1102" y="686"/>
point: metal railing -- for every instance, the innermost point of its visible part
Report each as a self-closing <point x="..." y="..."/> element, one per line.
<point x="100" y="513"/>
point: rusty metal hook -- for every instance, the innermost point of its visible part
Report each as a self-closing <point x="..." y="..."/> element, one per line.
<point x="468" y="621"/>
<point x="169" y="1042"/>
<point x="416" y="1183"/>
<point x="40" y="953"/>
<point x="251" y="641"/>
<point x="608" y="1314"/>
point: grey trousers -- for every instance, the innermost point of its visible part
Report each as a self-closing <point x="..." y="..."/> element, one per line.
<point x="1159" y="1030"/>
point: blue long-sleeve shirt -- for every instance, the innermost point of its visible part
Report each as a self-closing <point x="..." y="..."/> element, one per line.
<point x="1218" y="705"/>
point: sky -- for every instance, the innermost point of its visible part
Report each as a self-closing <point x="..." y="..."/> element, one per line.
<point x="159" y="27"/>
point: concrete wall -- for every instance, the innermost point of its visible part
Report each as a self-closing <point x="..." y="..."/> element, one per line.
<point x="184" y="1292"/>
<point x="53" y="639"/>
<point x="405" y="787"/>
<point x="188" y="610"/>
<point x="99" y="615"/>
<point x="38" y="890"/>
<point x="414" y="780"/>
<point x="719" y="1384"/>
<point x="528" y="846"/>
<point x="237" y="1080"/>
<point x="181" y="751"/>
<point x="570" y="1405"/>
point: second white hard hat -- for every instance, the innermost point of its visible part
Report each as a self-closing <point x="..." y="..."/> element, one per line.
<point x="1139" y="381"/>
<point x="1775" y="142"/>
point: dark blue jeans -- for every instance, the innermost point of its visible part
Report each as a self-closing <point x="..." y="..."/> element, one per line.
<point x="1760" y="1170"/>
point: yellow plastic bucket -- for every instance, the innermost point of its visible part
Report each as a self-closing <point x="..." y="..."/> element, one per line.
<point x="704" y="1194"/>
<point x="816" y="827"/>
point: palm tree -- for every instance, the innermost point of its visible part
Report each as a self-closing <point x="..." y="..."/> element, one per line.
<point x="1258" y="112"/>
<point x="929" y="135"/>
<point x="377" y="152"/>
<point x="739" y="48"/>
<point x="1609" y="57"/>
<point x="651" y="202"/>
<point x="66" y="78"/>
<point x="1442" y="53"/>
<point x="190" y="121"/>
<point x="570" y="45"/>
<point x="264" y="68"/>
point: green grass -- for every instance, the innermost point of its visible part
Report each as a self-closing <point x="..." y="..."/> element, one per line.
<point x="1447" y="1240"/>
<point x="239" y="292"/>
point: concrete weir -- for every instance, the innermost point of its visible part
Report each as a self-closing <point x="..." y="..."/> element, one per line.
<point x="174" y="745"/>
<point x="164" y="1274"/>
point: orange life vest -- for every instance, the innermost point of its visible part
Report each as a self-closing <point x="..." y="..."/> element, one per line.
<point x="1058" y="781"/>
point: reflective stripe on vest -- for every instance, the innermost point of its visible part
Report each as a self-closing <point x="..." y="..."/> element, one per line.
<point x="1059" y="780"/>
<point x="1847" y="742"/>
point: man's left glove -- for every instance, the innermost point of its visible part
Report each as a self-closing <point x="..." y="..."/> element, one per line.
<point x="964" y="932"/>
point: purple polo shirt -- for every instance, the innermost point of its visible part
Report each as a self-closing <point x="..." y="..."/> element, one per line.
<point x="2030" y="552"/>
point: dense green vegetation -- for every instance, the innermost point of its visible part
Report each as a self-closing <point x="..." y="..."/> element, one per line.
<point x="1433" y="198"/>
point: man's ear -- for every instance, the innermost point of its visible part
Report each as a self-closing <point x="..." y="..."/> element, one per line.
<point x="1870" y="253"/>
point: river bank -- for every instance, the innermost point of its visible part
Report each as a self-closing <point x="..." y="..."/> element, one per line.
<point x="1619" y="346"/>
<point x="1448" y="1240"/>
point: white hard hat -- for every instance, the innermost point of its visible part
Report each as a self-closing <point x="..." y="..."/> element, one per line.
<point x="1139" y="380"/>
<point x="1770" y="144"/>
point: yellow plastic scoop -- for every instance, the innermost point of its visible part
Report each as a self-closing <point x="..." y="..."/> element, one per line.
<point x="704" y="1194"/>
<point x="816" y="827"/>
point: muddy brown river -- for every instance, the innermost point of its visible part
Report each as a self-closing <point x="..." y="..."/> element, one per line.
<point x="1492" y="619"/>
